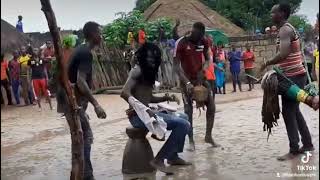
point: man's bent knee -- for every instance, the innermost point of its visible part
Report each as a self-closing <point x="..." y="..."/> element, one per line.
<point x="184" y="125"/>
<point x="182" y="115"/>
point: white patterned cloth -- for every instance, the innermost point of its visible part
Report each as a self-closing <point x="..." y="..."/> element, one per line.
<point x="156" y="125"/>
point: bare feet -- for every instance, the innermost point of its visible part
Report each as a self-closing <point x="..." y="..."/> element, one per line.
<point x="288" y="156"/>
<point x="179" y="162"/>
<point x="159" y="165"/>
<point x="210" y="141"/>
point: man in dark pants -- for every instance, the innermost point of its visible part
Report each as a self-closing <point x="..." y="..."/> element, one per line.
<point x="248" y="63"/>
<point x="234" y="58"/>
<point x="289" y="59"/>
<point x="80" y="75"/>
<point x="188" y="64"/>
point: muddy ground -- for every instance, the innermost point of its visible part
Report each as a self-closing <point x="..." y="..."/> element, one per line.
<point x="36" y="145"/>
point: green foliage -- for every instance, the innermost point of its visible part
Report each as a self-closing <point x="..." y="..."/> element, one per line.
<point x="152" y="28"/>
<point x="299" y="21"/>
<point x="67" y="41"/>
<point x="142" y="5"/>
<point x="116" y="33"/>
<point x="249" y="14"/>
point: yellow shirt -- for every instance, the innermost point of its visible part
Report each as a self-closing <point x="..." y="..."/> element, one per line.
<point x="316" y="55"/>
<point x="23" y="60"/>
<point x="130" y="38"/>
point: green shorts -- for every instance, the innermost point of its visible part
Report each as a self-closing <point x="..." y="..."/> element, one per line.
<point x="249" y="71"/>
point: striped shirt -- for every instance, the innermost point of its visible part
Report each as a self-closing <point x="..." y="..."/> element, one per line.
<point x="292" y="64"/>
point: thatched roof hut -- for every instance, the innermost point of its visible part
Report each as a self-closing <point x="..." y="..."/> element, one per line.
<point x="189" y="12"/>
<point x="10" y="38"/>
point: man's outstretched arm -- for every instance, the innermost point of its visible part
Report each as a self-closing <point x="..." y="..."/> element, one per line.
<point x="130" y="83"/>
<point x="84" y="88"/>
<point x="166" y="97"/>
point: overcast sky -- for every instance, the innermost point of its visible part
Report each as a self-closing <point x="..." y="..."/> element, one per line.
<point x="72" y="14"/>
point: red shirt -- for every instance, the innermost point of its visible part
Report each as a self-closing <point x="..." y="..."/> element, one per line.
<point x="4" y="67"/>
<point x="190" y="56"/>
<point x="48" y="53"/>
<point x="142" y="37"/>
<point x="248" y="59"/>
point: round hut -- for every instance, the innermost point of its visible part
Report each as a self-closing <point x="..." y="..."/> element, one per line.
<point x="189" y="12"/>
<point x="10" y="38"/>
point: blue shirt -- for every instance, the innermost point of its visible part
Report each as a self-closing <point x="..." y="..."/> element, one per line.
<point x="19" y="26"/>
<point x="234" y="58"/>
<point x="171" y="43"/>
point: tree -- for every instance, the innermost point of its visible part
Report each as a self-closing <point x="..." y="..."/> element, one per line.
<point x="115" y="33"/>
<point x="247" y="14"/>
<point x="142" y="5"/>
<point x="77" y="161"/>
<point x="301" y="23"/>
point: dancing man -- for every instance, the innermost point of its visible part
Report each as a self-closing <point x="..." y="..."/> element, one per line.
<point x="80" y="75"/>
<point x="289" y="60"/>
<point x="188" y="64"/>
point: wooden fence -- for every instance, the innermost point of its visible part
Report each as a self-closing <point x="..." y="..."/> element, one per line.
<point x="110" y="69"/>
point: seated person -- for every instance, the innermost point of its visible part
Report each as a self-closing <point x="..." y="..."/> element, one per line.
<point x="139" y="86"/>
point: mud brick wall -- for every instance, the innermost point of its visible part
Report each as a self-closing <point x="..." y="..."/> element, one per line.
<point x="264" y="47"/>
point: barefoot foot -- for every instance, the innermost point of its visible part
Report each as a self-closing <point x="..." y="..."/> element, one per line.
<point x="288" y="156"/>
<point x="211" y="141"/>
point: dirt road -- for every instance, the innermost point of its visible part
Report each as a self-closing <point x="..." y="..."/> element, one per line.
<point x="36" y="145"/>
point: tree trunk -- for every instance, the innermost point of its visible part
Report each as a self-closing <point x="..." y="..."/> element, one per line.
<point x="74" y="122"/>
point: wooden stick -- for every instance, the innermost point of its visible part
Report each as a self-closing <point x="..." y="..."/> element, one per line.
<point x="74" y="122"/>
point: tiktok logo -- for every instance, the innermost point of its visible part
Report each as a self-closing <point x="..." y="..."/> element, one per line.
<point x="305" y="158"/>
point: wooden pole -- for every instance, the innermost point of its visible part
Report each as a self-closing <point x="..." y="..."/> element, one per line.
<point x="74" y="122"/>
